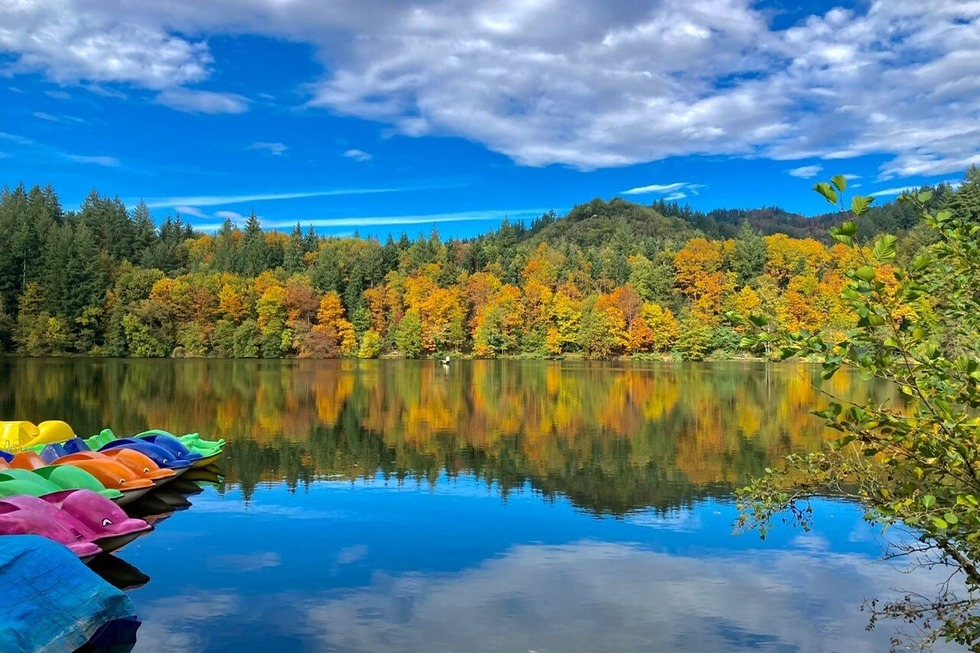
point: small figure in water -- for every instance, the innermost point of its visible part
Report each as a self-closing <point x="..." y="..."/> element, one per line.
<point x="445" y="361"/>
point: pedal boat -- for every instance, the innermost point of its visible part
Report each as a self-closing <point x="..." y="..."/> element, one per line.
<point x="52" y="478"/>
<point x="14" y="521"/>
<point x="99" y="520"/>
<point x="139" y="463"/>
<point x="111" y="473"/>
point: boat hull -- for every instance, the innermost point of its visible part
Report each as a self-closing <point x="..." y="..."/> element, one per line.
<point x="128" y="496"/>
<point x="116" y="542"/>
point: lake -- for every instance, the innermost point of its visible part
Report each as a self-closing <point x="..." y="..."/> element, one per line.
<point x="485" y="506"/>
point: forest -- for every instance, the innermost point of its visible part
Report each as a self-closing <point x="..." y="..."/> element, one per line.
<point x="608" y="279"/>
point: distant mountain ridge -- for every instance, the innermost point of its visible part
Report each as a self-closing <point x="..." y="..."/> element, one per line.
<point x="597" y="221"/>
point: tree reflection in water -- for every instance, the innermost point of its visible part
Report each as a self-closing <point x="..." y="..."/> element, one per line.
<point x="613" y="437"/>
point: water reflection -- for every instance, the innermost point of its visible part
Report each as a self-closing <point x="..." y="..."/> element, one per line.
<point x="502" y="506"/>
<point x="612" y="437"/>
<point x="378" y="567"/>
<point x="118" y="572"/>
<point x="537" y="598"/>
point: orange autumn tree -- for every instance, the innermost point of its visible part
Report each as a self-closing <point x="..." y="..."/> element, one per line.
<point x="499" y="324"/>
<point x="333" y="335"/>
<point x="698" y="274"/>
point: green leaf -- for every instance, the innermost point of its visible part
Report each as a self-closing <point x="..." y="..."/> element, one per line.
<point x="921" y="262"/>
<point x="848" y="228"/>
<point x="860" y="203"/>
<point x="865" y="273"/>
<point x="827" y="191"/>
<point x="951" y="518"/>
<point x="884" y="248"/>
<point x="787" y="352"/>
<point x="939" y="523"/>
<point x="928" y="501"/>
<point x="840" y="182"/>
<point x="924" y="196"/>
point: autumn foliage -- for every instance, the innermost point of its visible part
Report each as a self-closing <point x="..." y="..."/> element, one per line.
<point x="124" y="287"/>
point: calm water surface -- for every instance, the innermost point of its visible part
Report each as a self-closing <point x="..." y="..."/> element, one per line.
<point x="490" y="506"/>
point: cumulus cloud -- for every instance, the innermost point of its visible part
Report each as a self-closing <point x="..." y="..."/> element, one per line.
<point x="357" y="155"/>
<point x="805" y="172"/>
<point x="73" y="40"/>
<point x="584" y="83"/>
<point x="275" y="149"/>
<point x="623" y="85"/>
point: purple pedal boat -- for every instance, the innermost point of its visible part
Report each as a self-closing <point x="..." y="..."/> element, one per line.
<point x="14" y="521"/>
<point x="97" y="519"/>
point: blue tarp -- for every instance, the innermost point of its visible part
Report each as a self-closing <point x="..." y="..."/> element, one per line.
<point x="50" y="602"/>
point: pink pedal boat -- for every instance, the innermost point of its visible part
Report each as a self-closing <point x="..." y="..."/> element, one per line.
<point x="98" y="520"/>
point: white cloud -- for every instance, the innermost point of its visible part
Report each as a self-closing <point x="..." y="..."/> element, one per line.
<point x="41" y="115"/>
<point x="433" y="218"/>
<point x="954" y="183"/>
<point x="104" y="161"/>
<point x="893" y="191"/>
<point x="16" y="138"/>
<point x="805" y="172"/>
<point x="53" y="154"/>
<point x="584" y="83"/>
<point x="215" y="200"/>
<point x="194" y="101"/>
<point x="357" y="155"/>
<point x="191" y="211"/>
<point x="671" y="192"/>
<point x="230" y="215"/>
<point x="275" y="149"/>
<point x="655" y="188"/>
<point x="70" y="43"/>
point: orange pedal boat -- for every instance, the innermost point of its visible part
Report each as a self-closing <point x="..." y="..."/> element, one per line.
<point x="110" y="472"/>
<point x="142" y="465"/>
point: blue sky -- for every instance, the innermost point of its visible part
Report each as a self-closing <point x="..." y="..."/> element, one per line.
<point x="388" y="116"/>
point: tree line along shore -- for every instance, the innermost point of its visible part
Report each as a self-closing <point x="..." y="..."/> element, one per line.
<point x="608" y="279"/>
